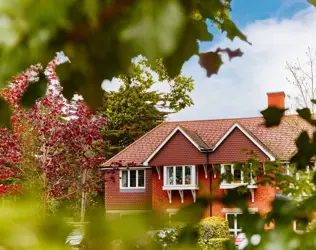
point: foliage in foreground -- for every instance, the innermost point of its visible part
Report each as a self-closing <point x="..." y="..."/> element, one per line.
<point x="101" y="37"/>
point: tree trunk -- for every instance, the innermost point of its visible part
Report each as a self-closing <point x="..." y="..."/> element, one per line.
<point x="83" y="196"/>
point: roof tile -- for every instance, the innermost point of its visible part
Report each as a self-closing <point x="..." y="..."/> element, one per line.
<point x="279" y="140"/>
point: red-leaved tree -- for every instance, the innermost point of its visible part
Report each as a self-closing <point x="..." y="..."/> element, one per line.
<point x="69" y="144"/>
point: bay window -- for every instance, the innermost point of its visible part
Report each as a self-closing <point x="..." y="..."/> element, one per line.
<point x="237" y="176"/>
<point x="180" y="176"/>
<point x="132" y="178"/>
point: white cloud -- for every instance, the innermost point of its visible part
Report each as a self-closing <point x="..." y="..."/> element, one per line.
<point x="112" y="85"/>
<point x="239" y="89"/>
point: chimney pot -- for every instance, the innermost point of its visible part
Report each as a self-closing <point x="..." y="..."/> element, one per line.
<point x="276" y="99"/>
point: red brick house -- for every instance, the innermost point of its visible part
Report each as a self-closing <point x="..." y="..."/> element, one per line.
<point x="174" y="163"/>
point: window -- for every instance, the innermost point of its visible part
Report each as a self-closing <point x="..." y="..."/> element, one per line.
<point x="132" y="178"/>
<point x="299" y="226"/>
<point x="234" y="223"/>
<point x="237" y="175"/>
<point x="180" y="176"/>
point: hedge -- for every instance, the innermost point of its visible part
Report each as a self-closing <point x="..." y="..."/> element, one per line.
<point x="216" y="244"/>
<point x="213" y="233"/>
<point x="213" y="227"/>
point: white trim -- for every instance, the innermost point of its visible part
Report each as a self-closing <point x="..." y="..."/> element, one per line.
<point x="295" y="228"/>
<point x="205" y="170"/>
<point x="178" y="128"/>
<point x="187" y="187"/>
<point x="123" y="168"/>
<point x="238" y="210"/>
<point x="181" y="195"/>
<point x="235" y="185"/>
<point x="172" y="210"/>
<point x="236" y="125"/>
<point x="128" y="179"/>
<point x="127" y="211"/>
<point x="158" y="169"/>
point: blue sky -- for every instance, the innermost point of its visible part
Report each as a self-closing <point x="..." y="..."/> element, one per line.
<point x="248" y="11"/>
<point x="280" y="31"/>
<point x="245" y="12"/>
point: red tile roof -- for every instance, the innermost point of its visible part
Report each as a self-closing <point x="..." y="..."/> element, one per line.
<point x="279" y="140"/>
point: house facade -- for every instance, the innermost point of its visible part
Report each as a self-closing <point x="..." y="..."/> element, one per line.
<point x="170" y="166"/>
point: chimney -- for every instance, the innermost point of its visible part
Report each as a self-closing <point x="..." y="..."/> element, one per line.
<point x="276" y="99"/>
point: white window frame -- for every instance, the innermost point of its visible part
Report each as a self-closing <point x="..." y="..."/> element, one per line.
<point x="171" y="212"/>
<point x="296" y="230"/>
<point x="233" y="184"/>
<point x="128" y="179"/>
<point x="234" y="230"/>
<point x="192" y="185"/>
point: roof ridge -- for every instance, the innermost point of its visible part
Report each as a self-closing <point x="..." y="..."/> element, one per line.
<point x="130" y="145"/>
<point x="223" y="119"/>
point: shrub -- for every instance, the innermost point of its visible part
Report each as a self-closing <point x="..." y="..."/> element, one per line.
<point x="213" y="227"/>
<point x="213" y="233"/>
<point x="216" y="244"/>
<point x="167" y="237"/>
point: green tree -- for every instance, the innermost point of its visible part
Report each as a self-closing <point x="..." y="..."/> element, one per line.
<point x="135" y="108"/>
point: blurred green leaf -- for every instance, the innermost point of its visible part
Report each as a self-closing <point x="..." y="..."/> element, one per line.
<point x="188" y="46"/>
<point x="314" y="178"/>
<point x="272" y="116"/>
<point x="5" y="111"/>
<point x="155" y="27"/>
<point x="232" y="30"/>
<point x="92" y="8"/>
<point x="305" y="151"/>
<point x="313" y="2"/>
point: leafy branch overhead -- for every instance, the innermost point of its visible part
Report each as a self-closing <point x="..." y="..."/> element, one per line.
<point x="102" y="37"/>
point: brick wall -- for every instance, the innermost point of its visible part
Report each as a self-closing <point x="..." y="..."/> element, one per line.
<point x="160" y="200"/>
<point x="263" y="196"/>
<point x="116" y="199"/>
<point x="179" y="151"/>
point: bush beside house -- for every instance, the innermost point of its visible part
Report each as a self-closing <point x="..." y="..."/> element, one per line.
<point x="213" y="233"/>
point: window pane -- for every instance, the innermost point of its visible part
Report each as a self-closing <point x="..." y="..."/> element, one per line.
<point x="124" y="178"/>
<point x="300" y="225"/>
<point x="238" y="221"/>
<point x="188" y="174"/>
<point x="141" y="178"/>
<point x="170" y="176"/>
<point x="231" y="219"/>
<point x="132" y="178"/>
<point x="237" y="175"/>
<point x="179" y="175"/>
